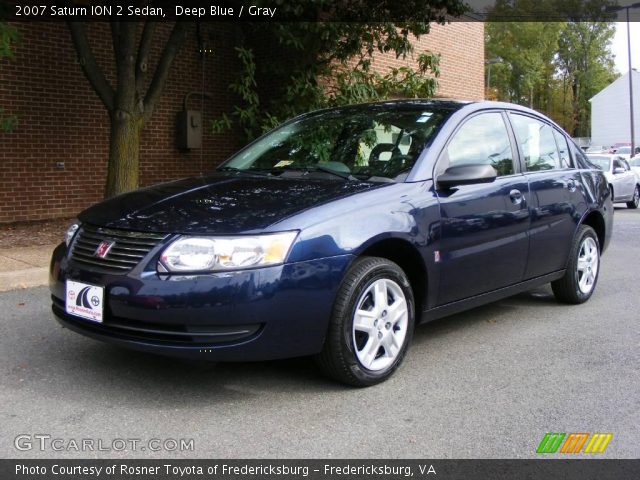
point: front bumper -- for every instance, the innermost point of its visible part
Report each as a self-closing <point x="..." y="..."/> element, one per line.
<point x="258" y="314"/>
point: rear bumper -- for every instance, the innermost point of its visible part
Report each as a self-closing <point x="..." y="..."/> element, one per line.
<point x="259" y="314"/>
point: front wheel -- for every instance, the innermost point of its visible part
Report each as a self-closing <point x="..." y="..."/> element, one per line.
<point x="371" y="325"/>
<point x="635" y="201"/>
<point x="580" y="279"/>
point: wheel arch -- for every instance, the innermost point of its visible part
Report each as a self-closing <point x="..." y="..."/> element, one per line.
<point x="595" y="220"/>
<point x="406" y="256"/>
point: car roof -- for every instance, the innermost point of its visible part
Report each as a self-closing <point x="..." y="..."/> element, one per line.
<point x="445" y="104"/>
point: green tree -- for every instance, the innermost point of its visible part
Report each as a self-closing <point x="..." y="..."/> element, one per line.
<point x="321" y="64"/>
<point x="131" y="101"/>
<point x="8" y="38"/>
<point x="586" y="62"/>
<point x="525" y="52"/>
<point x="554" y="67"/>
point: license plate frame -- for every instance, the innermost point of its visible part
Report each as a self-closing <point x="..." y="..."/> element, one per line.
<point x="84" y="300"/>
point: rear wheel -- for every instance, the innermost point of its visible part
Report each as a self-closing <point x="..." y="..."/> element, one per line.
<point x="371" y="325"/>
<point x="580" y="279"/>
<point x="635" y="201"/>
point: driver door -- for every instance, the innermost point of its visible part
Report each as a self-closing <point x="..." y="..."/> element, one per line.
<point x="484" y="240"/>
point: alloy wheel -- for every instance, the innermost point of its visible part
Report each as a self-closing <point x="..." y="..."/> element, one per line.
<point x="380" y="324"/>
<point x="587" y="265"/>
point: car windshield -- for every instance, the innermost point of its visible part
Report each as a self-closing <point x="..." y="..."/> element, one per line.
<point x="635" y="162"/>
<point x="603" y="163"/>
<point x="371" y="142"/>
<point x="624" y="150"/>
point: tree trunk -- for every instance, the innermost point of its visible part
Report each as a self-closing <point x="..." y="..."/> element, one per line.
<point x="124" y="153"/>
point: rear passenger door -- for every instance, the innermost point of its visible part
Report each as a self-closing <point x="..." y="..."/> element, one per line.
<point x="556" y="199"/>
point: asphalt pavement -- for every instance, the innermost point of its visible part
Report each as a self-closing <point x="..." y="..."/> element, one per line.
<point x="488" y="383"/>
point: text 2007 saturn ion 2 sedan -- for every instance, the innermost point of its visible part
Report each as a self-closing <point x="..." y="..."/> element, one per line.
<point x="334" y="234"/>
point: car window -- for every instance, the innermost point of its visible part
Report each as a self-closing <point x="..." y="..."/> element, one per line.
<point x="601" y="162"/>
<point x="563" y="149"/>
<point x="379" y="143"/>
<point x="373" y="141"/>
<point x="635" y="162"/>
<point x="618" y="163"/>
<point x="482" y="140"/>
<point x="537" y="143"/>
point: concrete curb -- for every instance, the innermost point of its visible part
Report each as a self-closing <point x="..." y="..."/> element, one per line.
<point x="30" y="277"/>
<point x="24" y="267"/>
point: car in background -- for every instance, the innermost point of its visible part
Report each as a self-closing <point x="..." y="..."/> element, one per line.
<point x="595" y="149"/>
<point x="624" y="152"/>
<point x="624" y="182"/>
<point x="634" y="163"/>
<point x="336" y="233"/>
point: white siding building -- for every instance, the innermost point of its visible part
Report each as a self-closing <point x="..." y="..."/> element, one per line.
<point x="610" y="112"/>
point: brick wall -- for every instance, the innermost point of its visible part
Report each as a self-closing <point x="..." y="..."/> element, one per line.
<point x="61" y="120"/>
<point x="461" y="45"/>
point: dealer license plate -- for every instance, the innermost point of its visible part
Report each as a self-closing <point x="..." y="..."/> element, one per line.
<point x="84" y="300"/>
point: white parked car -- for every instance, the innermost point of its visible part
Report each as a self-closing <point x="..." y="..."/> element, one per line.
<point x="634" y="163"/>
<point x="624" y="152"/>
<point x="595" y="149"/>
<point x="624" y="183"/>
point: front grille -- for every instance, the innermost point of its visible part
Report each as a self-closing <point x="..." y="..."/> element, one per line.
<point x="127" y="251"/>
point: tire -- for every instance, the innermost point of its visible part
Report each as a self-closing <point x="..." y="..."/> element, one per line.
<point x="635" y="201"/>
<point x="363" y="349"/>
<point x="613" y="200"/>
<point x="583" y="269"/>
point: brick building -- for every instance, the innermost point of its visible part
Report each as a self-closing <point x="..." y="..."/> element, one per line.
<point x="53" y="164"/>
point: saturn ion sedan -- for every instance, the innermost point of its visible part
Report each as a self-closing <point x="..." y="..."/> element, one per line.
<point x="336" y="233"/>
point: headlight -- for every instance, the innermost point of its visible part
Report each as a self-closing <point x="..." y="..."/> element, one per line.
<point x="71" y="231"/>
<point x="198" y="254"/>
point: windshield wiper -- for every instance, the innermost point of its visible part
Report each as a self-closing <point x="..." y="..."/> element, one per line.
<point x="319" y="168"/>
<point x="248" y="171"/>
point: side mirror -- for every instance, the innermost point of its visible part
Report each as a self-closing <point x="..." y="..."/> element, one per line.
<point x="618" y="170"/>
<point x="467" y="175"/>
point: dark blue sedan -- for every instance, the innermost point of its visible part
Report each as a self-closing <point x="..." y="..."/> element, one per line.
<point x="334" y="234"/>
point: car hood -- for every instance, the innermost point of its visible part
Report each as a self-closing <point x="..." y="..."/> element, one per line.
<point x="219" y="203"/>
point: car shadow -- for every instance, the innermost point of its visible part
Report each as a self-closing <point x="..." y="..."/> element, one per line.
<point x="71" y="363"/>
<point x="489" y="313"/>
<point x="145" y="376"/>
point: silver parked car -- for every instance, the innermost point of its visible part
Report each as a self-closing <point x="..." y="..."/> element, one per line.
<point x="623" y="181"/>
<point x="635" y="165"/>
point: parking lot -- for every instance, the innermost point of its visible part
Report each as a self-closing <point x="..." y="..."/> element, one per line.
<point x="487" y="383"/>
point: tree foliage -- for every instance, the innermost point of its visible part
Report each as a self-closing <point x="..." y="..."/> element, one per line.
<point x="310" y="65"/>
<point x="8" y="38"/>
<point x="554" y="67"/>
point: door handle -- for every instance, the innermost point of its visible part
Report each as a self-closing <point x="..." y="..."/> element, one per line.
<point x="571" y="185"/>
<point x="516" y="196"/>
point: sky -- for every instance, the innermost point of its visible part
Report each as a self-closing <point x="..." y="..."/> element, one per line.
<point x="619" y="46"/>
